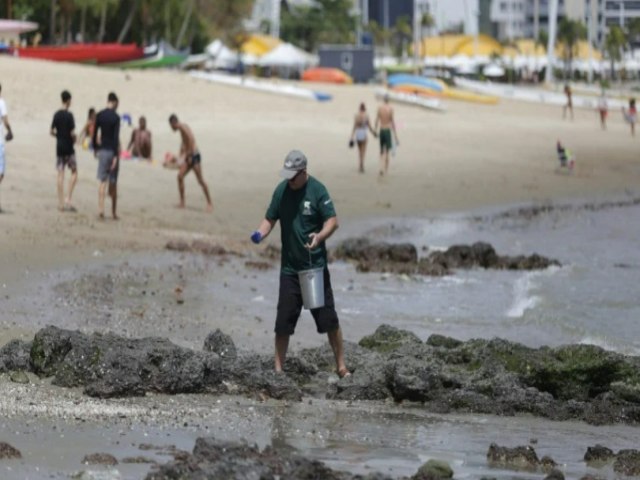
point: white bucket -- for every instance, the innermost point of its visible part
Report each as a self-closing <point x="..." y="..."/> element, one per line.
<point x="312" y="287"/>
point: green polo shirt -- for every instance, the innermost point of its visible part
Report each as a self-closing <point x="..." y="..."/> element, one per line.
<point x="300" y="212"/>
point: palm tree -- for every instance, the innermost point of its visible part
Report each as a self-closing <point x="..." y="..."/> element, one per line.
<point x="613" y="45"/>
<point x="570" y="32"/>
<point x="135" y="4"/>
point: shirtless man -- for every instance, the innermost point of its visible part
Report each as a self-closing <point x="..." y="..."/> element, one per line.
<point x="387" y="125"/>
<point x="189" y="149"/>
<point x="140" y="143"/>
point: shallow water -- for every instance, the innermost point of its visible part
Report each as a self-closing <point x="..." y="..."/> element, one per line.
<point x="592" y="298"/>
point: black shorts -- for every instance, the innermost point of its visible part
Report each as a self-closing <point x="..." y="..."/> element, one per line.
<point x="195" y="160"/>
<point x="66" y="161"/>
<point x="290" y="306"/>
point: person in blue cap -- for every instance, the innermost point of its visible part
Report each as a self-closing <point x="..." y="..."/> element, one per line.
<point x="307" y="219"/>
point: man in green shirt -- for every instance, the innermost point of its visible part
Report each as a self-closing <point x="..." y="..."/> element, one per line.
<point x="307" y="219"/>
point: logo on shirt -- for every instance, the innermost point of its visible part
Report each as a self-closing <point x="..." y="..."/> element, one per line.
<point x="306" y="208"/>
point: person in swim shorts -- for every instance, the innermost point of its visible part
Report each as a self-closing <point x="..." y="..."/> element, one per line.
<point x="106" y="144"/>
<point x="5" y="134"/>
<point x="189" y="149"/>
<point x="63" y="128"/>
<point x="385" y="120"/>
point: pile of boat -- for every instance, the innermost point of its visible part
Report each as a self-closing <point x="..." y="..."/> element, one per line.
<point x="115" y="55"/>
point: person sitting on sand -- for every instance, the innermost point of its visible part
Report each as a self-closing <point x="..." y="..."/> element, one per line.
<point x="387" y="125"/>
<point x="631" y="115"/>
<point x="140" y="143"/>
<point x="63" y="128"/>
<point x="86" y="134"/>
<point x="189" y="149"/>
<point x="360" y="132"/>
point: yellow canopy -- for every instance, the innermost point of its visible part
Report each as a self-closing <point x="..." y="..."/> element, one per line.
<point x="258" y="45"/>
<point x="580" y="52"/>
<point x="451" y="45"/>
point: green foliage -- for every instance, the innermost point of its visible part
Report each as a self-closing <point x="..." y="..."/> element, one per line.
<point x="401" y="34"/>
<point x="570" y="32"/>
<point x="326" y="21"/>
<point x="151" y="20"/>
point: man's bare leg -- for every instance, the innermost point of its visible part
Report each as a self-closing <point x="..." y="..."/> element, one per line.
<point x="386" y="162"/>
<point x="184" y="169"/>
<point x="72" y="183"/>
<point x="102" y="190"/>
<point x="362" y="148"/>
<point x="335" y="340"/>
<point x="282" y="344"/>
<point x="113" y="193"/>
<point x="60" y="189"/>
<point x="198" y="171"/>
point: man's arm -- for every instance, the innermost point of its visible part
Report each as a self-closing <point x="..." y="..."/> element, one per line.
<point x="377" y="121"/>
<point x="263" y="230"/>
<point x="330" y="225"/>
<point x="5" y="120"/>
<point x="393" y="127"/>
<point x="133" y="140"/>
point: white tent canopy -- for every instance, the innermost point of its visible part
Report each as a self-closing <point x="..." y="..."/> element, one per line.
<point x="220" y="56"/>
<point x="287" y="55"/>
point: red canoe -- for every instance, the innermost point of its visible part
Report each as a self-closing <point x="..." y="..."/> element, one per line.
<point x="84" y="52"/>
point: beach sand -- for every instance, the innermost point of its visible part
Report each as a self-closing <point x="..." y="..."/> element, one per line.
<point x="470" y="157"/>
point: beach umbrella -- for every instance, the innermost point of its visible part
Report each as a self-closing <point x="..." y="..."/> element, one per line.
<point x="493" y="70"/>
<point x="287" y="55"/>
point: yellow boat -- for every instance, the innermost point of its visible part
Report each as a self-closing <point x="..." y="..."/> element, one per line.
<point x="447" y="92"/>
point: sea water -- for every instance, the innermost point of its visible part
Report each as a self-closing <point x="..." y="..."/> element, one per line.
<point x="593" y="297"/>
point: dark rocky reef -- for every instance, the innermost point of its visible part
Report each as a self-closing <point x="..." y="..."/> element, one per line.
<point x="212" y="458"/>
<point x="402" y="258"/>
<point x="495" y="376"/>
<point x="625" y="462"/>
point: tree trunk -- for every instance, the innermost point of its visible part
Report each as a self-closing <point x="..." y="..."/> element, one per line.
<point x="167" y="21"/>
<point x="52" y="22"/>
<point x="127" y="24"/>
<point x="83" y="22"/>
<point x="185" y="23"/>
<point x="103" y="22"/>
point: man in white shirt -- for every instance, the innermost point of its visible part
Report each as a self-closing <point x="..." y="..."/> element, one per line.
<point x="4" y="125"/>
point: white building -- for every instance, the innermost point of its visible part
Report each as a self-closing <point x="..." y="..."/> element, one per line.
<point x="509" y="18"/>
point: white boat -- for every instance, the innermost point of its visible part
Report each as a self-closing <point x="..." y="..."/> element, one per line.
<point x="411" y="99"/>
<point x="262" y="86"/>
<point x="540" y="95"/>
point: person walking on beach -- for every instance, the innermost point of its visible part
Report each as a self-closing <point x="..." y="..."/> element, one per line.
<point x="384" y="119"/>
<point x="6" y="135"/>
<point x="631" y="115"/>
<point x="140" y="143"/>
<point x="189" y="149"/>
<point x="106" y="143"/>
<point x="63" y="128"/>
<point x="603" y="110"/>
<point x="86" y="134"/>
<point x="307" y="219"/>
<point x="569" y="104"/>
<point x="360" y="132"/>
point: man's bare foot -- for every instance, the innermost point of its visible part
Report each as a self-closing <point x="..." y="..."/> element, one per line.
<point x="61" y="208"/>
<point x="69" y="208"/>
<point x="116" y="217"/>
<point x="209" y="208"/>
<point x="180" y="205"/>
<point x="101" y="216"/>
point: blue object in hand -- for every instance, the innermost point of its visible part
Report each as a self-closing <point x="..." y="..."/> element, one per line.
<point x="256" y="237"/>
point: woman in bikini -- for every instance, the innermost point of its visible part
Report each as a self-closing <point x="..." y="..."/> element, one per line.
<point x="360" y="132"/>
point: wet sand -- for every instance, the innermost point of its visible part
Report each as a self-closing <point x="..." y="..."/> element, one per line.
<point x="76" y="272"/>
